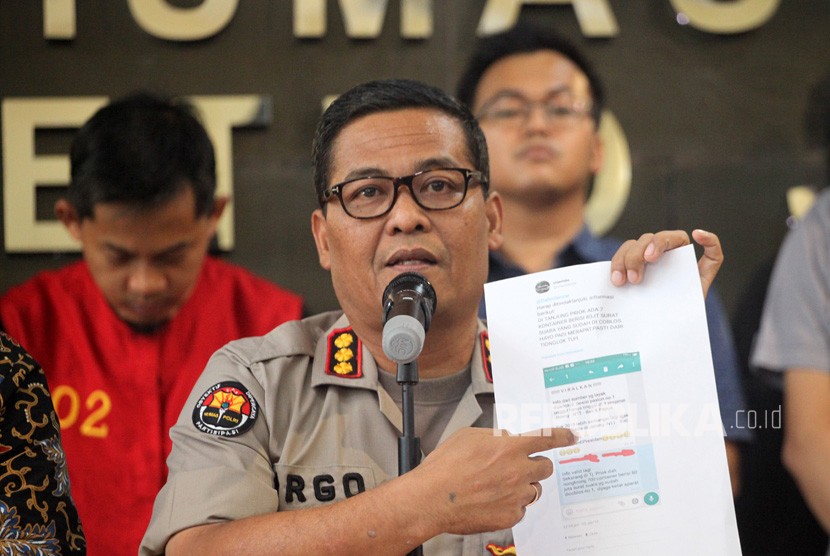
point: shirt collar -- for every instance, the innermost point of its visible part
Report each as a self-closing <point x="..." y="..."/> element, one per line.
<point x="339" y="344"/>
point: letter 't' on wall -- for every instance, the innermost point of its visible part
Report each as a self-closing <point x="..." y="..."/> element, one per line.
<point x="59" y="19"/>
<point x="220" y="114"/>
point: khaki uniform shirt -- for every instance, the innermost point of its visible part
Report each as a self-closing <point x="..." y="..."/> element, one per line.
<point x="297" y="419"/>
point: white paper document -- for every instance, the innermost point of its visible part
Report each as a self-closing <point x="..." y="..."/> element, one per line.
<point x="629" y="370"/>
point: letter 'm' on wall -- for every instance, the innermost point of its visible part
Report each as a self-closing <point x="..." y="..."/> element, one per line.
<point x="23" y="170"/>
<point x="595" y="17"/>
<point x="363" y="19"/>
<point x="734" y="16"/>
<point x="59" y="19"/>
<point x="164" y="21"/>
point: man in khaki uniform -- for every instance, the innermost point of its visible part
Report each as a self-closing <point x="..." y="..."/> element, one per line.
<point x="307" y="418"/>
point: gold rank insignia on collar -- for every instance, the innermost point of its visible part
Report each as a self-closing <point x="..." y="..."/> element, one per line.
<point x="486" y="362"/>
<point x="497" y="550"/>
<point x="344" y="358"/>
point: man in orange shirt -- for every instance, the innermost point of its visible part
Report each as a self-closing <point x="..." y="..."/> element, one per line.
<point x="124" y="333"/>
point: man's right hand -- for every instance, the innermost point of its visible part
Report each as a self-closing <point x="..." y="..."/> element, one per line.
<point x="482" y="480"/>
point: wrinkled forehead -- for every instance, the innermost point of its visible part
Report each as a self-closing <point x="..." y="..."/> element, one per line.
<point x="399" y="142"/>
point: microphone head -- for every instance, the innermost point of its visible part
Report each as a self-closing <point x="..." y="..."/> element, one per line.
<point x="403" y="338"/>
<point x="408" y="304"/>
<point x="410" y="286"/>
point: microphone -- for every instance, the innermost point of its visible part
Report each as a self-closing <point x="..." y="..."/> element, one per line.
<point x="408" y="304"/>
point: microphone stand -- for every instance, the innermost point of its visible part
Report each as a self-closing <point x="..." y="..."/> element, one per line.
<point x="408" y="303"/>
<point x="409" y="445"/>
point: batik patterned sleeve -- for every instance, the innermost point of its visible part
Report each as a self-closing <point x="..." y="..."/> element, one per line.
<point x="37" y="515"/>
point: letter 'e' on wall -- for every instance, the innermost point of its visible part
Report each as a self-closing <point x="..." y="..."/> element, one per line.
<point x="24" y="170"/>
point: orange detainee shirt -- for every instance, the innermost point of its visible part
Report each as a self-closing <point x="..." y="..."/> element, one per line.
<point x="117" y="392"/>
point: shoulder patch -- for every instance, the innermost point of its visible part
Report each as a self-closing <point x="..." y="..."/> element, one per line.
<point x="344" y="357"/>
<point x="486" y="362"/>
<point x="225" y="409"/>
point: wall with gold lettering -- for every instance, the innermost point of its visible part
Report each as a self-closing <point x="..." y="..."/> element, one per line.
<point x="706" y="124"/>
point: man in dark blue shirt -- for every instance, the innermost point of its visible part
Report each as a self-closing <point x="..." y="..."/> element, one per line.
<point x="539" y="104"/>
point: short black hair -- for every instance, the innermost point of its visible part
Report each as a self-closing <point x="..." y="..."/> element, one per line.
<point x="525" y="38"/>
<point x="388" y="95"/>
<point x="142" y="150"/>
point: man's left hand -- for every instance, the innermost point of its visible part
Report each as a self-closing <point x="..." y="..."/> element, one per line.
<point x="628" y="263"/>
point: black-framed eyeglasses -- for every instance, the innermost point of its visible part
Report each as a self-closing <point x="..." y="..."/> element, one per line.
<point x="514" y="110"/>
<point x="373" y="196"/>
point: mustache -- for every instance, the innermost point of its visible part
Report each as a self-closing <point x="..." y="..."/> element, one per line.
<point x="552" y="149"/>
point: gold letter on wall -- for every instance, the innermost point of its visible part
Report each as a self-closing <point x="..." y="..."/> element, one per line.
<point x="736" y="16"/>
<point x="164" y="21"/>
<point x="363" y="18"/>
<point x="596" y="19"/>
<point x="23" y="171"/>
<point x="612" y="184"/>
<point x="219" y="115"/>
<point x="59" y="19"/>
